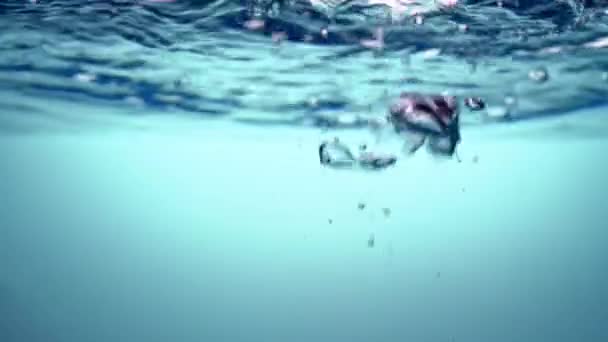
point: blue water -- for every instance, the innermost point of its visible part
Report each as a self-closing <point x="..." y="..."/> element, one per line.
<point x="160" y="176"/>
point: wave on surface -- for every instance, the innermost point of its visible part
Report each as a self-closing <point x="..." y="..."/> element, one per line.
<point x="305" y="65"/>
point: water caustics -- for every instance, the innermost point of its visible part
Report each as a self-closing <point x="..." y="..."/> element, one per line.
<point x="298" y="62"/>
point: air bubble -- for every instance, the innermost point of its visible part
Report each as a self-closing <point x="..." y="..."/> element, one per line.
<point x="474" y="103"/>
<point x="539" y="75"/>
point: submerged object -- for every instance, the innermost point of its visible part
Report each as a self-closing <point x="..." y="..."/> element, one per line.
<point x="337" y="155"/>
<point x="421" y="118"/>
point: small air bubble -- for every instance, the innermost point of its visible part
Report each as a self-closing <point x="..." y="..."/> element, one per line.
<point x="474" y="103"/>
<point x="324" y="33"/>
<point x="539" y="75"/>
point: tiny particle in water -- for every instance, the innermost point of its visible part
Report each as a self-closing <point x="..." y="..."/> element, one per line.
<point x="361" y="205"/>
<point x="362" y="147"/>
<point x="324" y="33"/>
<point x="330" y="221"/>
<point x="539" y="75"/>
<point x="438" y="274"/>
<point x="463" y="190"/>
<point x="371" y="241"/>
<point x="386" y="212"/>
<point x="475" y="159"/>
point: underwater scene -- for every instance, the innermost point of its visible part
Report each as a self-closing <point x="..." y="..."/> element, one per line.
<point x="304" y="170"/>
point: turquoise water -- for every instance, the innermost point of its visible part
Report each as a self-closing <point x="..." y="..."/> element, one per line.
<point x="137" y="208"/>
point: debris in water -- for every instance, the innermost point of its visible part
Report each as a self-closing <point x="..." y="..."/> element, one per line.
<point x="475" y="159"/>
<point x="438" y="275"/>
<point x="371" y="241"/>
<point x="361" y="205"/>
<point x="419" y="117"/>
<point x="330" y="221"/>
